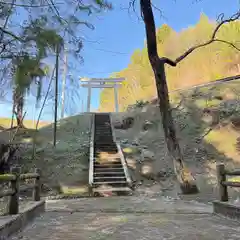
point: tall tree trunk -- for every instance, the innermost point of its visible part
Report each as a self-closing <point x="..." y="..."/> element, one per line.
<point x="18" y="101"/>
<point x="184" y="176"/>
<point x="20" y="112"/>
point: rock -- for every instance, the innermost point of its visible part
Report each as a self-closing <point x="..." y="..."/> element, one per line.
<point x="147" y="125"/>
<point x="144" y="109"/>
<point x="38" y="150"/>
<point x="235" y="122"/>
<point x="45" y="188"/>
<point x="117" y="125"/>
<point x="125" y="124"/>
<point x="164" y="174"/>
<point x="124" y="141"/>
<point x="154" y="101"/>
<point x="147" y="155"/>
<point x="140" y="182"/>
<point x="135" y="142"/>
<point x="147" y="170"/>
<point x="131" y="108"/>
<point x="128" y="122"/>
<point x="229" y="94"/>
<point x="218" y="97"/>
<point x="211" y="116"/>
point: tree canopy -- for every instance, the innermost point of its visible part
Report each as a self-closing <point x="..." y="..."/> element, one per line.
<point x="208" y="63"/>
<point x="30" y="32"/>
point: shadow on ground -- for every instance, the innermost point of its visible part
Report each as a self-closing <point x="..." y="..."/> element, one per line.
<point x="64" y="168"/>
<point x="201" y="147"/>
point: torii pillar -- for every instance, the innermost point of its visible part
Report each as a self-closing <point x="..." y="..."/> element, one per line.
<point x="114" y="83"/>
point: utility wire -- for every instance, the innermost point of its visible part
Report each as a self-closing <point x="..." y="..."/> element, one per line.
<point x="210" y="83"/>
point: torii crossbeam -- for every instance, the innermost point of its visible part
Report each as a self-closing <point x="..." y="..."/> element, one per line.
<point x="90" y="83"/>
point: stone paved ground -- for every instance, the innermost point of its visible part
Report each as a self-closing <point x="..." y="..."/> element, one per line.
<point x="129" y="218"/>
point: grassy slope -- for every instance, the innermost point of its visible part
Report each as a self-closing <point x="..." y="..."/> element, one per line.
<point x="67" y="165"/>
<point x="192" y="124"/>
<point x="6" y="123"/>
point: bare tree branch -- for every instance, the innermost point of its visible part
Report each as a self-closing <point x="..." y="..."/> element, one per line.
<point x="211" y="40"/>
<point x="159" y="10"/>
<point x="10" y="34"/>
<point x="199" y="139"/>
<point x="229" y="43"/>
<point x="179" y="105"/>
<point x="28" y="6"/>
<point x="132" y="5"/>
<point x="7" y="19"/>
<point x="233" y="18"/>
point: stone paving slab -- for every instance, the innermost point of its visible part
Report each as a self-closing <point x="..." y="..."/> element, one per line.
<point x="129" y="204"/>
<point x="129" y="218"/>
<point x="124" y="226"/>
<point x="11" y="224"/>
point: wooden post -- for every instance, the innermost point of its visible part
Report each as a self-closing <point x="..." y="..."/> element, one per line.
<point x="221" y="176"/>
<point x="56" y="97"/>
<point x="37" y="186"/>
<point x="13" y="205"/>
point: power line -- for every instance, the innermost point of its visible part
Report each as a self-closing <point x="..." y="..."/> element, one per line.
<point x="210" y="83"/>
<point x="110" y="51"/>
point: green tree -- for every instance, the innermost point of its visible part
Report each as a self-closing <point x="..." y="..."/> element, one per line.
<point x="154" y="64"/>
<point x="27" y="68"/>
<point x="158" y="63"/>
<point x="211" y="62"/>
<point x="24" y="48"/>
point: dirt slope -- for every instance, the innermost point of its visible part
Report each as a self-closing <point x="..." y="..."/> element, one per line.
<point x="66" y="165"/>
<point x="154" y="174"/>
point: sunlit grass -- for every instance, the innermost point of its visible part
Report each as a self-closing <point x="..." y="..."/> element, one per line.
<point x="129" y="150"/>
<point x="6" y="123"/>
<point x="60" y="166"/>
<point x="203" y="103"/>
<point x="122" y="219"/>
<point x="74" y="190"/>
<point x="234" y="179"/>
<point x="224" y="140"/>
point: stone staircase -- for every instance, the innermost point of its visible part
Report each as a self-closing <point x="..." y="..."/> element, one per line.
<point x="107" y="168"/>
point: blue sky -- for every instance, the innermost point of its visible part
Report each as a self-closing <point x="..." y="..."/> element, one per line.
<point x="118" y="33"/>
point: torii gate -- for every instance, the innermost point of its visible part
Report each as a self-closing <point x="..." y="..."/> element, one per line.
<point x="102" y="83"/>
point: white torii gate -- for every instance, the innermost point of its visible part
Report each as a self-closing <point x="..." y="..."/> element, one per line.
<point x="90" y="83"/>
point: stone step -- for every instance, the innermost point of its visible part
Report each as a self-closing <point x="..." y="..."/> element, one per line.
<point x="109" y="173"/>
<point x="109" y="179"/>
<point x="106" y="191"/>
<point x="111" y="183"/>
<point x="107" y="163"/>
<point x="105" y="169"/>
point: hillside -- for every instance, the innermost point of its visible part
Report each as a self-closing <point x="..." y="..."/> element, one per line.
<point x="64" y="166"/>
<point x="207" y="118"/>
<point x="6" y="123"/>
<point x="215" y="61"/>
<point x="208" y="128"/>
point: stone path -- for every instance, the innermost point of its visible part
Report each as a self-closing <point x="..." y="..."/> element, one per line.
<point x="129" y="218"/>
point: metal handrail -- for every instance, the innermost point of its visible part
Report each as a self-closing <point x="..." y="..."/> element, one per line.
<point x="123" y="160"/>
<point x="91" y="155"/>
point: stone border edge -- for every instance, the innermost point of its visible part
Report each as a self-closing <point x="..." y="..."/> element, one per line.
<point x="21" y="220"/>
<point x="226" y="209"/>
